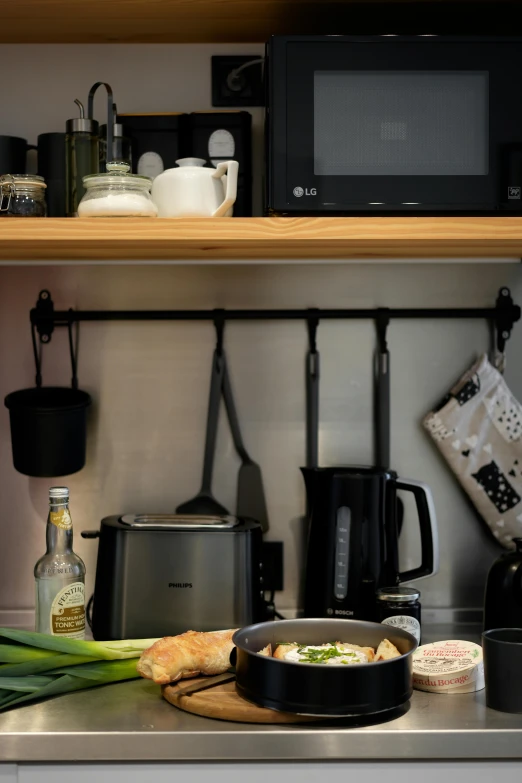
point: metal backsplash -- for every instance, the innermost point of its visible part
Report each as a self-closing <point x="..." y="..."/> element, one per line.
<point x="149" y="382"/>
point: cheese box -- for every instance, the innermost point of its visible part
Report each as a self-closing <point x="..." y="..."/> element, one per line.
<point x="451" y="666"/>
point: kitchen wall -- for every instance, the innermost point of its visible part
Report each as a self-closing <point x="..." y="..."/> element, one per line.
<point x="149" y="381"/>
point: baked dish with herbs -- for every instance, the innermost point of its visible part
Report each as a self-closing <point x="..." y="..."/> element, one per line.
<point x="331" y="653"/>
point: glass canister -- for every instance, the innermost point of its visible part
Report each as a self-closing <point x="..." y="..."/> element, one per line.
<point x="117" y="194"/>
<point x="22" y="195"/>
<point x="400" y="607"/>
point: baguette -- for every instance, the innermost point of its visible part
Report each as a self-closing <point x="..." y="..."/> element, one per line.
<point x="187" y="655"/>
<point x="386" y="650"/>
<point x="282" y="649"/>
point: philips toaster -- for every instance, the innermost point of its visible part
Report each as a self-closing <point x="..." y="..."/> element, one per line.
<point x="161" y="575"/>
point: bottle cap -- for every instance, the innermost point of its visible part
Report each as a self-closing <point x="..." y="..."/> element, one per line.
<point x="58" y="492"/>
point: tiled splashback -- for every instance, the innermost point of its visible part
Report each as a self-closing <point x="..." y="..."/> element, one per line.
<point x="149" y="382"/>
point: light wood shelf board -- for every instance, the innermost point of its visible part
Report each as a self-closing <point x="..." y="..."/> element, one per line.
<point x="237" y="239"/>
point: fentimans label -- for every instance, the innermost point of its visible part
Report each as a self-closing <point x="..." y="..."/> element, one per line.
<point x="68" y="612"/>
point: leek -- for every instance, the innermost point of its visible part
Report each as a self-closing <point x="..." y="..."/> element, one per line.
<point x="73" y="678"/>
<point x="34" y="666"/>
<point x="42" y="665"/>
<point x="130" y="648"/>
<point x="18" y="653"/>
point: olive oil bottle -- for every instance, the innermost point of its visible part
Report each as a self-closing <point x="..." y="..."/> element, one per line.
<point x="60" y="575"/>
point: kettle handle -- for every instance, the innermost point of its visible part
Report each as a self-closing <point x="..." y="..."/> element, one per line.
<point x="231" y="168"/>
<point x="428" y="530"/>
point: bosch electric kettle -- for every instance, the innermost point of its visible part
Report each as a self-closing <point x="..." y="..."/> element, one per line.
<point x="353" y="546"/>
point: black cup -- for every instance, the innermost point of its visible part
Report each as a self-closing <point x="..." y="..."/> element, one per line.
<point x="13" y="155"/>
<point x="502" y="668"/>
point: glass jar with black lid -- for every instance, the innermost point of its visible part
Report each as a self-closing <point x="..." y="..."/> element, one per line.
<point x="22" y="195"/>
<point x="400" y="607"/>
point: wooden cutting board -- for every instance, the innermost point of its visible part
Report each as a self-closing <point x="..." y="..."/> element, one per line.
<point x="224" y="703"/>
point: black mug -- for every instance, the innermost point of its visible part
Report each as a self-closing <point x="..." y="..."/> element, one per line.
<point x="13" y="154"/>
<point x="51" y="166"/>
<point x="502" y="648"/>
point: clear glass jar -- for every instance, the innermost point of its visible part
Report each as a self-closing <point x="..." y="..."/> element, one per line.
<point x="117" y="194"/>
<point x="22" y="195"/>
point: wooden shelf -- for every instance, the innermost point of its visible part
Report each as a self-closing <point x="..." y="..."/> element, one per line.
<point x="240" y="239"/>
<point x="241" y="21"/>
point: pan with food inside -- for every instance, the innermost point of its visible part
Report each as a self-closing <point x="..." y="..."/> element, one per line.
<point x="324" y="667"/>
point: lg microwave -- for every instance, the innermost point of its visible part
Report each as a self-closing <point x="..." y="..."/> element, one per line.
<point x="393" y="124"/>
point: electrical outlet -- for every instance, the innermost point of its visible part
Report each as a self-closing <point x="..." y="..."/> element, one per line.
<point x="272" y="572"/>
<point x="237" y="80"/>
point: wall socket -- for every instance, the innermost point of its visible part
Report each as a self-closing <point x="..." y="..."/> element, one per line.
<point x="237" y="80"/>
<point x="272" y="572"/>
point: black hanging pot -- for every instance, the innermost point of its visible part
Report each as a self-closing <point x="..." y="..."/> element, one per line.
<point x="49" y="424"/>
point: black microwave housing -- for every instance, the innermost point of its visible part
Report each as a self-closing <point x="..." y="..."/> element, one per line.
<point x="489" y="183"/>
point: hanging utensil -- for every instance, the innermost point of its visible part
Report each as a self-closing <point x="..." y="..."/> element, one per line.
<point x="312" y="392"/>
<point x="382" y="400"/>
<point x="382" y="393"/>
<point x="251" y="501"/>
<point x="204" y="502"/>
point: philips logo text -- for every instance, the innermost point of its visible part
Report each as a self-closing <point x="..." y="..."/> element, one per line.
<point x="180" y="584"/>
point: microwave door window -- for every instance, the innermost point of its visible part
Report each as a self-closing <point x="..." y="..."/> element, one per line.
<point x="401" y="123"/>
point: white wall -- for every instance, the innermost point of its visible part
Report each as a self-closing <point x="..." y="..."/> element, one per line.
<point x="150" y="381"/>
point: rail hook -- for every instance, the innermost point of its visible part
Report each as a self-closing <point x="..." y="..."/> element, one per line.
<point x="219" y="325"/>
<point x="507" y="314"/>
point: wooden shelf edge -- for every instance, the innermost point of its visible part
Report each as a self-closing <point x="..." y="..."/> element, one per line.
<point x="236" y="239"/>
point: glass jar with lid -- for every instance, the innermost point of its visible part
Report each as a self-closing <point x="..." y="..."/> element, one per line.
<point x="400" y="607"/>
<point x="117" y="194"/>
<point x="22" y="195"/>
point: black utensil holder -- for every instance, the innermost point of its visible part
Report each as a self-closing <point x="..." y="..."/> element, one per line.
<point x="49" y="424"/>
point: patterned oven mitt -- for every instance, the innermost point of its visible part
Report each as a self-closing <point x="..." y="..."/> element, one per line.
<point x="478" y="429"/>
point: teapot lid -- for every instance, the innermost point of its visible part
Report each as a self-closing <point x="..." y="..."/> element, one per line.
<point x="200" y="162"/>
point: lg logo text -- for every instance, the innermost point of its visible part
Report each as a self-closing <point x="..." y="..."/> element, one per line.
<point x="298" y="191"/>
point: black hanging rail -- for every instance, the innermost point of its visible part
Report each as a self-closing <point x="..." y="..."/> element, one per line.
<point x="45" y="318"/>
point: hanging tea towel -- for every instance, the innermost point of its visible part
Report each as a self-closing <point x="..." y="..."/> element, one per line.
<point x="478" y="430"/>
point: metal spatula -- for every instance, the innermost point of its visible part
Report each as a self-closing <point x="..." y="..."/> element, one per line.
<point x="251" y="500"/>
<point x="205" y="503"/>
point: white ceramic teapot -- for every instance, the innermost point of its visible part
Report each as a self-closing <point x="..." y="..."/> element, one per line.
<point x="194" y="191"/>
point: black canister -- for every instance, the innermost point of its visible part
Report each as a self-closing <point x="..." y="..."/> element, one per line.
<point x="400" y="607"/>
<point x="51" y="166"/>
<point x="503" y="599"/>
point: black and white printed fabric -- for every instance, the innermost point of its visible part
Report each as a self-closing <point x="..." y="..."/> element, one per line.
<point x="478" y="430"/>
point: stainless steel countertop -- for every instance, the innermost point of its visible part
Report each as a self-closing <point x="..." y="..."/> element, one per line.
<point x="130" y="722"/>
